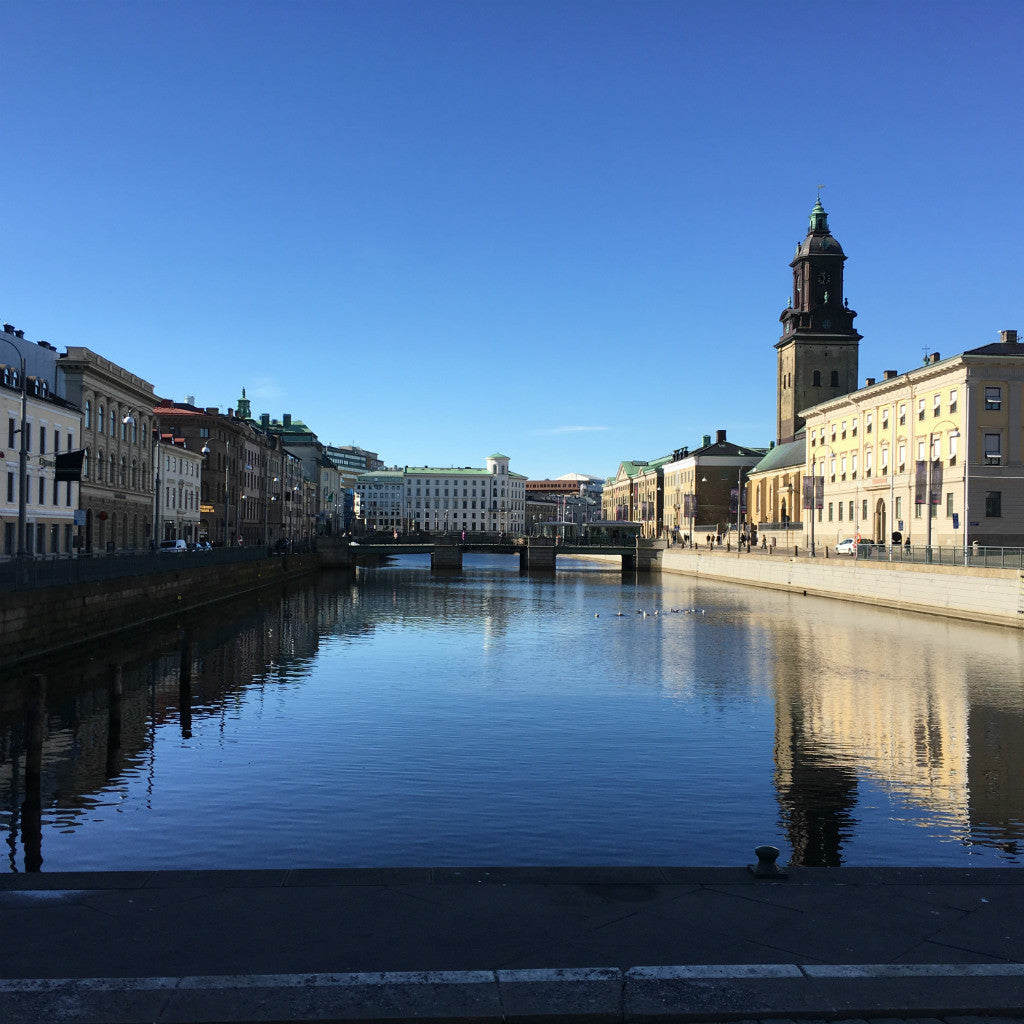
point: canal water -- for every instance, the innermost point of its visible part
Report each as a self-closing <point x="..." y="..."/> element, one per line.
<point x="398" y="718"/>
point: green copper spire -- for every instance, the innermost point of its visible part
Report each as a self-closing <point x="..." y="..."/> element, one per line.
<point x="244" y="410"/>
<point x="819" y="220"/>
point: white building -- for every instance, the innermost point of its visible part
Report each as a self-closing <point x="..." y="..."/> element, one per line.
<point x="52" y="425"/>
<point x="180" y="473"/>
<point x="454" y="499"/>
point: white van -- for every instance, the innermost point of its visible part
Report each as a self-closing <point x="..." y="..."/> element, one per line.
<point x="173" y="547"/>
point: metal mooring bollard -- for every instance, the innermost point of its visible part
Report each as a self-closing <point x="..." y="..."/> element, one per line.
<point x="766" y="866"/>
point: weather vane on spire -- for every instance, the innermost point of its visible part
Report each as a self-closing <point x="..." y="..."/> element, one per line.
<point x="820" y="187"/>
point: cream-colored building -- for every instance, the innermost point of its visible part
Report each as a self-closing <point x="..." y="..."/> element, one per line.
<point x="935" y="454"/>
<point x="52" y="426"/>
<point x="180" y="471"/>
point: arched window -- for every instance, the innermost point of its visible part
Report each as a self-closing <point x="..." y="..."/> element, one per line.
<point x="85" y="462"/>
<point x="88" y="414"/>
<point x="135" y="474"/>
<point x="113" y="420"/>
<point x="99" y="466"/>
<point x="124" y="471"/>
<point x="99" y="419"/>
<point x="835" y="379"/>
<point x="112" y="478"/>
<point x="816" y="381"/>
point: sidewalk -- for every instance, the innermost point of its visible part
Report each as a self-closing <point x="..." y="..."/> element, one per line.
<point x="511" y="944"/>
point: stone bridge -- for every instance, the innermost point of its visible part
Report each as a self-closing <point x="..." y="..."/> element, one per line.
<point x="536" y="554"/>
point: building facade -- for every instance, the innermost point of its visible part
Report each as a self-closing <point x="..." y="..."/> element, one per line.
<point x="179" y="494"/>
<point x="117" y="435"/>
<point x="52" y="426"/>
<point x="934" y="455"/>
<point x="434" y="500"/>
<point x="702" y="487"/>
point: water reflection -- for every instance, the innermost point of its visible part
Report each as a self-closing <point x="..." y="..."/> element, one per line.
<point x="491" y="718"/>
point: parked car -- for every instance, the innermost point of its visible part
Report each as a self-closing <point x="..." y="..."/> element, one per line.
<point x="847" y="547"/>
<point x="173" y="547"/>
<point x="203" y="545"/>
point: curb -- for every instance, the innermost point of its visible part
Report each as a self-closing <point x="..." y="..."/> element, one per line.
<point x="640" y="995"/>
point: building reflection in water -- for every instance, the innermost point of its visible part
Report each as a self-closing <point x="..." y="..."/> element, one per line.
<point x="905" y="720"/>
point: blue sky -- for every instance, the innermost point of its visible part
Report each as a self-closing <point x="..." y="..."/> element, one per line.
<point x="560" y="230"/>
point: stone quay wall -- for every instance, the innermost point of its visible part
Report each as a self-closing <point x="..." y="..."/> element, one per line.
<point x="41" y="621"/>
<point x="978" y="595"/>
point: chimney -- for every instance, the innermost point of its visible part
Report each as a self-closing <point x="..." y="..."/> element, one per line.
<point x="287" y="419"/>
<point x="705" y="440"/>
<point x="19" y="334"/>
<point x="869" y="381"/>
<point x="8" y="328"/>
<point x="933" y="357"/>
<point x="265" y="420"/>
<point x="890" y="375"/>
<point x="1008" y="337"/>
<point x="719" y="436"/>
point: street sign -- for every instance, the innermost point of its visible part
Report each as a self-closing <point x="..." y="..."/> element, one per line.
<point x="956" y="520"/>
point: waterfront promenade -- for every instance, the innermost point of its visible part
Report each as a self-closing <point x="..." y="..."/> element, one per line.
<point x="589" y="944"/>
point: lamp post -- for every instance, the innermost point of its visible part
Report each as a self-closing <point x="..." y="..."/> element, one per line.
<point x="22" y="456"/>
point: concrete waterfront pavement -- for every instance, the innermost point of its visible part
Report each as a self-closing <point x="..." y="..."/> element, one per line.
<point x="511" y="944"/>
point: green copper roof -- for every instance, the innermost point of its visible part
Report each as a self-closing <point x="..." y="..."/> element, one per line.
<point x="782" y="456"/>
<point x="819" y="219"/>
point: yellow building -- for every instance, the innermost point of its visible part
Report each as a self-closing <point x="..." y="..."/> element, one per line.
<point x="935" y="454"/>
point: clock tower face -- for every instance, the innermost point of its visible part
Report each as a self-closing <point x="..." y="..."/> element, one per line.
<point x="818" y="336"/>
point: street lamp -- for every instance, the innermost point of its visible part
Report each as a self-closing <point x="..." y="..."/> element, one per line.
<point x="22" y="455"/>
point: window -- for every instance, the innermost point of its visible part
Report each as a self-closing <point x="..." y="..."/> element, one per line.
<point x="840" y="511"/>
<point x="885" y="419"/>
<point x="902" y="453"/>
<point x="920" y="408"/>
<point x="834" y="380"/>
<point x="920" y="451"/>
<point x="88" y="414"/>
<point x="12" y="432"/>
<point x="842" y="430"/>
<point x="10" y="487"/>
<point x="853" y="465"/>
<point x="993" y="399"/>
<point x="993" y="449"/>
<point x="42" y="440"/>
<point x="864" y="510"/>
<point x="949" y="504"/>
<point x="99" y="418"/>
<point x="952" y="451"/>
<point x="899" y="507"/>
<point x="952" y="400"/>
<point x="994" y="504"/>
<point x="816" y="379"/>
<point x="903" y="414"/>
<point x="936" y="404"/>
<point x="851" y="511"/>
<point x="853" y="428"/>
<point x="868" y="420"/>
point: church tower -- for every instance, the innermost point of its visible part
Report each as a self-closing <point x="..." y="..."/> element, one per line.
<point x="818" y="349"/>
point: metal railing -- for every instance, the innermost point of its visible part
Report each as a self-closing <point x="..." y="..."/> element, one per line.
<point x="976" y="557"/>
<point x="58" y="571"/>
